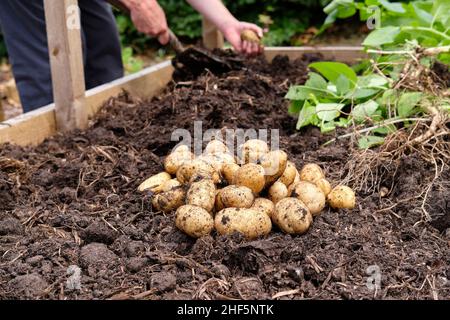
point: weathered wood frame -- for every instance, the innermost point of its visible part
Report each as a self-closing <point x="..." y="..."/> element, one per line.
<point x="34" y="127"/>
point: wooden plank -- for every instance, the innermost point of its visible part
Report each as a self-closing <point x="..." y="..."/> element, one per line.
<point x="2" y="112"/>
<point x="34" y="127"/>
<point x="212" y="37"/>
<point x="346" y="54"/>
<point x="66" y="59"/>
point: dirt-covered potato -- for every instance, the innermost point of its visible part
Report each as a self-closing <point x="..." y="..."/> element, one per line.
<point x="274" y="164"/>
<point x="291" y="187"/>
<point x="310" y="195"/>
<point x="252" y="176"/>
<point x="218" y="160"/>
<point x="228" y="171"/>
<point x="311" y="172"/>
<point x="278" y="191"/>
<point x="252" y="150"/>
<point x="292" y="216"/>
<point x="202" y="194"/>
<point x="250" y="36"/>
<point x="194" y="221"/>
<point x="342" y="197"/>
<point x="264" y="205"/>
<point x="218" y="205"/>
<point x="251" y="223"/>
<point x="289" y="174"/>
<point x="169" y="200"/>
<point x="216" y="146"/>
<point x="177" y="158"/>
<point x="324" y="185"/>
<point x="236" y="197"/>
<point x="154" y="182"/>
<point x="198" y="167"/>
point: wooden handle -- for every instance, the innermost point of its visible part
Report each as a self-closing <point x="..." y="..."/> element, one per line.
<point x="175" y="43"/>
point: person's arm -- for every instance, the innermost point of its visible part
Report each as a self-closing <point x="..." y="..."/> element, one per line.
<point x="218" y="14"/>
<point x="149" y="18"/>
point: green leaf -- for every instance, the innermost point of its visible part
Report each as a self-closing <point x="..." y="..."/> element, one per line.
<point x="329" y="111"/>
<point x="395" y="7"/>
<point x="381" y="36"/>
<point x="306" y="116"/>
<point x="372" y="81"/>
<point x="364" y="110"/>
<point x="369" y="141"/>
<point x="407" y="102"/>
<point x="362" y="93"/>
<point x="332" y="71"/>
<point x="316" y="81"/>
<point x="304" y="92"/>
<point x="327" y="127"/>
<point x="342" y="85"/>
<point x="295" y="106"/>
<point x="385" y="129"/>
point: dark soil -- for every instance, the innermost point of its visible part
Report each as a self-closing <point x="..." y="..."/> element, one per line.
<point x="72" y="201"/>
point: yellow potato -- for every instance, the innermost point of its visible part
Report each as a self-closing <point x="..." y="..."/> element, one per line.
<point x="274" y="164"/>
<point x="289" y="174"/>
<point x="251" y="223"/>
<point x="202" y="194"/>
<point x="264" y="205"/>
<point x="228" y="171"/>
<point x="236" y="197"/>
<point x="181" y="148"/>
<point x="218" y="160"/>
<point x="293" y="184"/>
<point x="216" y="146"/>
<point x="278" y="191"/>
<point x="310" y="195"/>
<point x="324" y="185"/>
<point x="198" y="167"/>
<point x="292" y="216"/>
<point x="250" y="175"/>
<point x="167" y="185"/>
<point x="342" y="197"/>
<point x="169" y="200"/>
<point x="252" y="150"/>
<point x="176" y="159"/>
<point x="154" y="182"/>
<point x="218" y="204"/>
<point x="194" y="221"/>
<point x="250" y="36"/>
<point x="311" y="172"/>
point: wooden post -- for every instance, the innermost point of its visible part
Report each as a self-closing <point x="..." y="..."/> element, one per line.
<point x="66" y="60"/>
<point x="212" y="37"/>
<point x="2" y="113"/>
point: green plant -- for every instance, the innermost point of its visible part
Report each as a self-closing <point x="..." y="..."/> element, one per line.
<point x="395" y="91"/>
<point x="131" y="63"/>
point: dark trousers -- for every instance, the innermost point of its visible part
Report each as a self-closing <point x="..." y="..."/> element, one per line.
<point x="23" y="26"/>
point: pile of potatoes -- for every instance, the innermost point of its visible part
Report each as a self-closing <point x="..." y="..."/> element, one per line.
<point x="219" y="191"/>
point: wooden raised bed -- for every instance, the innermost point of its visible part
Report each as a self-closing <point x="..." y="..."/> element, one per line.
<point x="73" y="106"/>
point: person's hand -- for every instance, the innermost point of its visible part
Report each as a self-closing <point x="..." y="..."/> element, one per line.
<point x="232" y="32"/>
<point x="149" y="18"/>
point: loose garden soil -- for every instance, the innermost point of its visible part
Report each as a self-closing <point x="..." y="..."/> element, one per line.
<point x="72" y="201"/>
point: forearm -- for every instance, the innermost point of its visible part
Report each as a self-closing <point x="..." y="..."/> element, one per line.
<point x="214" y="11"/>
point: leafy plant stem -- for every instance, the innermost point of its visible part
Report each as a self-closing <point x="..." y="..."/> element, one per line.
<point x="427" y="29"/>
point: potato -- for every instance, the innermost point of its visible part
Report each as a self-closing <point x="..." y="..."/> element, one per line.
<point x="251" y="176"/>
<point x="194" y="221"/>
<point x="292" y="216"/>
<point x="250" y="36"/>
<point x="274" y="164"/>
<point x="167" y="185"/>
<point x="218" y="205"/>
<point x="217" y="160"/>
<point x="289" y="174"/>
<point x="264" y="205"/>
<point x="176" y="159"/>
<point x="277" y="192"/>
<point x="216" y="146"/>
<point x="229" y="170"/>
<point x="251" y="223"/>
<point x="237" y="197"/>
<point x="310" y="195"/>
<point x="342" y="197"/>
<point x="323" y="185"/>
<point x="202" y="194"/>
<point x="198" y="167"/>
<point x="154" y="182"/>
<point x="169" y="200"/>
<point x="311" y="172"/>
<point x="294" y="183"/>
<point x="252" y="150"/>
<point x="181" y="148"/>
